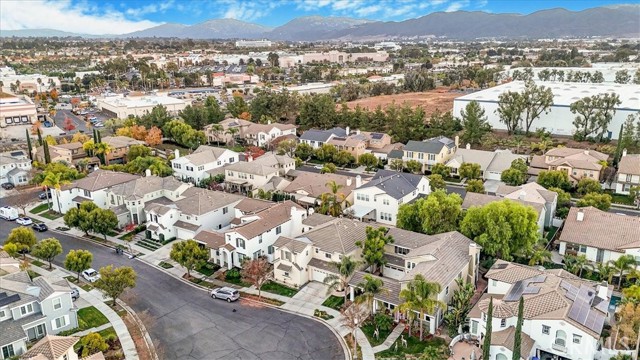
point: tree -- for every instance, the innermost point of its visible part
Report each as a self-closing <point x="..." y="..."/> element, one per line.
<point x="343" y="158"/>
<point x="628" y="325"/>
<point x="441" y="169"/>
<point x="317" y="111"/>
<point x="624" y="263"/>
<point x="594" y="114"/>
<point x="627" y="138"/>
<point x="539" y="255"/>
<point x="114" y="281"/>
<point x="103" y="221"/>
<point x="588" y="185"/>
<point x="486" y="346"/>
<point x="326" y="152"/>
<point x="136" y="151"/>
<point x="421" y="296"/>
<point x="80" y="217"/>
<point x="598" y="201"/>
<point x="78" y="261"/>
<point x="47" y="250"/>
<point x="29" y="147"/>
<point x="352" y="318"/>
<point x="470" y="171"/>
<point x="474" y="122"/>
<point x="346" y="268"/>
<point x="418" y="81"/>
<point x="237" y="106"/>
<point x="503" y="228"/>
<point x="460" y="305"/>
<point x="333" y="201"/>
<point x="437" y="213"/>
<point x="373" y="247"/>
<point x="68" y="125"/>
<point x="475" y="186"/>
<point x="634" y="194"/>
<point x="622" y="77"/>
<point x="154" y="136"/>
<point x="47" y="154"/>
<point x="328" y="168"/>
<point x="189" y="254"/>
<point x="304" y="151"/>
<point x="80" y="137"/>
<point x="370" y="287"/>
<point x="286" y="147"/>
<point x="575" y="264"/>
<point x="517" y="337"/>
<point x="535" y="100"/>
<point x="92" y="343"/>
<point x="554" y="179"/>
<point x="510" y="108"/>
<point x="515" y="175"/>
<point x="414" y="166"/>
<point x="23" y="237"/>
<point x="396" y="164"/>
<point x="257" y="272"/>
<point x="436" y="182"/>
<point x="370" y="161"/>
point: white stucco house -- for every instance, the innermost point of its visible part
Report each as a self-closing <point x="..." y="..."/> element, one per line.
<point x="492" y="163"/>
<point x="15" y="167"/>
<point x="316" y="138"/>
<point x="628" y="172"/>
<point x="249" y="176"/>
<point x="379" y="199"/>
<point x="193" y="167"/>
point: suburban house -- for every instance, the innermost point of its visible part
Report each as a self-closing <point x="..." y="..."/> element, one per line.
<point x="93" y="187"/>
<point x="317" y="138"/>
<point x="628" y="172"/>
<point x="223" y="133"/>
<point x="70" y="153"/>
<point x="194" y="210"/>
<point x="379" y="199"/>
<point x="15" y="167"/>
<point x="54" y="347"/>
<point x="563" y="314"/>
<point x="360" y="142"/>
<point x="249" y="176"/>
<point x="437" y="150"/>
<point x="253" y="234"/>
<point x="599" y="235"/>
<point x="492" y="163"/>
<point x="193" y="167"/>
<point x="263" y="134"/>
<point x="577" y="163"/>
<point x="307" y="187"/>
<point x="32" y="309"/>
<point x="119" y="147"/>
<point x="441" y="258"/>
<point x="472" y="199"/>
<point x="534" y="195"/>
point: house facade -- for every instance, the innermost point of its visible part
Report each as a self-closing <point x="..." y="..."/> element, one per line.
<point x="628" y="174"/>
<point x="492" y="163"/>
<point x="543" y="200"/>
<point x="15" y="168"/>
<point x="194" y="167"/>
<point x="438" y="150"/>
<point x="379" y="199"/>
<point x="249" y="176"/>
<point x="307" y="187"/>
<point x="316" y="138"/>
<point x="120" y="146"/>
<point x="577" y="163"/>
<point x="263" y="134"/>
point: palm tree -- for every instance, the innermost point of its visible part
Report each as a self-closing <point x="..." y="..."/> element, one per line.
<point x="605" y="272"/>
<point x="346" y="268"/>
<point x="233" y="132"/>
<point x="575" y="264"/>
<point x="623" y="264"/>
<point x="421" y="296"/>
<point x="217" y="130"/>
<point x="370" y="288"/>
<point x="539" y="255"/>
<point x="332" y="202"/>
<point x="55" y="181"/>
<point x="103" y="149"/>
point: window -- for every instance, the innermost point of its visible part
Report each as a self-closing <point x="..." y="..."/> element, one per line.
<point x="240" y="258"/>
<point x="2" y="314"/>
<point x="225" y="210"/>
<point x="327" y="255"/>
<point x="59" y="322"/>
<point x="401" y="250"/>
<point x="561" y="338"/>
<point x="270" y="250"/>
<point x="432" y="157"/>
<point x="503" y="323"/>
<point x="286" y="274"/>
<point x="628" y="178"/>
<point x="446" y="290"/>
<point x="26" y="309"/>
<point x="200" y="168"/>
<point x="189" y="168"/>
<point x="410" y="154"/>
<point x="219" y="162"/>
<point x="474" y="327"/>
<point x="546" y="329"/>
<point x="278" y="229"/>
<point x="177" y="166"/>
<point x="385" y="216"/>
<point x="260" y="239"/>
<point x="583" y="249"/>
<point x="256" y="254"/>
<point x="57" y="304"/>
<point x="240" y="243"/>
<point x="420" y="156"/>
<point x="577" y="338"/>
<point x="494" y="283"/>
<point x="484" y="317"/>
<point x="87" y="193"/>
<point x="385" y="201"/>
<point x="7" y="351"/>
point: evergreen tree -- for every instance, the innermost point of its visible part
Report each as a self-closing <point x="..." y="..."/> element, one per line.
<point x="618" y="153"/>
<point x="627" y="136"/>
<point x="47" y="155"/>
<point x="40" y="137"/>
<point x="517" y="337"/>
<point x="486" y="347"/>
<point x="474" y="122"/>
<point x="29" y="148"/>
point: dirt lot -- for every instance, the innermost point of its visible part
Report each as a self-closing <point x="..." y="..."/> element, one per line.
<point x="439" y="99"/>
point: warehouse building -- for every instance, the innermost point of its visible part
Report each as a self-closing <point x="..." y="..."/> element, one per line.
<point x="559" y="120"/>
<point x="123" y="107"/>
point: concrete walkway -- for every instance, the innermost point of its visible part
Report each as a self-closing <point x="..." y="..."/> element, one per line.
<point x="395" y="334"/>
<point x="95" y="329"/>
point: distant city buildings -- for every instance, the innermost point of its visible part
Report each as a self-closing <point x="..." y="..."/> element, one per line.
<point x="253" y="43"/>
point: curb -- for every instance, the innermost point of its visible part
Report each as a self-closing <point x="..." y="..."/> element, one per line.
<point x="143" y="329"/>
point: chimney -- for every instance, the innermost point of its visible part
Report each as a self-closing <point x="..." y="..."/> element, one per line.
<point x="624" y="152"/>
<point x="348" y="181"/>
<point x="522" y="195"/>
<point x="580" y="215"/>
<point x="249" y="158"/>
<point x="603" y="290"/>
<point x="348" y="131"/>
<point x="357" y="131"/>
<point x="457" y="140"/>
<point x="358" y="181"/>
<point x="468" y="146"/>
<point x="176" y="153"/>
<point x="269" y="122"/>
<point x="147" y="173"/>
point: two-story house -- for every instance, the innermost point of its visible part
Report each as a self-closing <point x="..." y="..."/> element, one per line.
<point x="120" y="146"/>
<point x="15" y="167"/>
<point x="70" y="153"/>
<point x="535" y="195"/>
<point x="563" y="315"/>
<point x="263" y="134"/>
<point x="628" y="174"/>
<point x="492" y="163"/>
<point x="29" y="310"/>
<point x="307" y="188"/>
<point x="599" y="235"/>
<point x="437" y="150"/>
<point x="577" y="163"/>
<point x="193" y="167"/>
<point x="222" y="133"/>
<point x="249" y="176"/>
<point x="316" y="138"/>
<point x="379" y="199"/>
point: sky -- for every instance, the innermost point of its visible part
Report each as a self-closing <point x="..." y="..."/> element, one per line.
<point x="125" y="16"/>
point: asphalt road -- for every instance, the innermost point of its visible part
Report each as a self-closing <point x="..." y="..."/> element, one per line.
<point x="188" y="324"/>
<point x="78" y="121"/>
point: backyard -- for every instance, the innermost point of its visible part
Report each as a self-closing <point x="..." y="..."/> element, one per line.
<point x="436" y="347"/>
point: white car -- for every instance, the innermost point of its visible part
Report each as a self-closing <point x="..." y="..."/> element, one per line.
<point x="90" y="275"/>
<point x="98" y="125"/>
<point x="24" y="221"/>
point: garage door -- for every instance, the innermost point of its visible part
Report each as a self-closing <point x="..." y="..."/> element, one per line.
<point x="318" y="275"/>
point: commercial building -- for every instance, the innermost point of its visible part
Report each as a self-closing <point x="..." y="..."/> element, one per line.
<point x="16" y="110"/>
<point x="559" y="119"/>
<point x="253" y="43"/>
<point x="123" y="107"/>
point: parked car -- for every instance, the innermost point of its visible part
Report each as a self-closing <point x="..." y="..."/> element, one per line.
<point x="98" y="125"/>
<point x="44" y="195"/>
<point x="75" y="294"/>
<point x="225" y="293"/>
<point x="318" y="167"/>
<point x="40" y="227"/>
<point x="9" y="213"/>
<point x="24" y="221"/>
<point x="90" y="275"/>
<point x="7" y="186"/>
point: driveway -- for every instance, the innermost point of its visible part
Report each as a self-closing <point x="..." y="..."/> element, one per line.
<point x="309" y="298"/>
<point x="188" y="324"/>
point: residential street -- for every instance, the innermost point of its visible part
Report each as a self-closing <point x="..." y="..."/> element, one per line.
<point x="190" y="325"/>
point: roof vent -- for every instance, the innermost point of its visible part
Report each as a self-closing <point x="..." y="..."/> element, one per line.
<point x="580" y="215"/>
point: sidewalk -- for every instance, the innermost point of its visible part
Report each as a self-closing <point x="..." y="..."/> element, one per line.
<point x="395" y="334"/>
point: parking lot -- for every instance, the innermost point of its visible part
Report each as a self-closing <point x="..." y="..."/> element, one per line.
<point x="78" y="120"/>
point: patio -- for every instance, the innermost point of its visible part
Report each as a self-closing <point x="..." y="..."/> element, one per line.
<point x="462" y="351"/>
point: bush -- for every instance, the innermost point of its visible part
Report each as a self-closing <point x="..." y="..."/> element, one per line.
<point x="233" y="274"/>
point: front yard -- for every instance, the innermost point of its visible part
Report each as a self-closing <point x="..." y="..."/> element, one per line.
<point x="436" y="348"/>
<point x="369" y="328"/>
<point x="40" y="208"/>
<point x="334" y="302"/>
<point x="85" y="286"/>
<point x="51" y="215"/>
<point x="275" y="288"/>
<point x="90" y="317"/>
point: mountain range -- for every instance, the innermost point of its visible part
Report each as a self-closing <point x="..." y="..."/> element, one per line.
<point x="619" y="21"/>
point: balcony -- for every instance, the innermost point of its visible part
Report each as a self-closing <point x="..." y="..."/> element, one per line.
<point x="559" y="347"/>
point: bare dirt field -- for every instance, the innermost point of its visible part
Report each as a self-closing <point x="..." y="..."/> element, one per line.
<point x="430" y="101"/>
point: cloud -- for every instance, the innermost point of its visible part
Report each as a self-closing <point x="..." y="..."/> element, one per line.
<point x="150" y="9"/>
<point x="63" y="15"/>
<point x="456" y="5"/>
<point x="247" y="11"/>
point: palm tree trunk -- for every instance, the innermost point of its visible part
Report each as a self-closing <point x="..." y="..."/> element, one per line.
<point x="421" y="326"/>
<point x="355" y="345"/>
<point x="620" y="279"/>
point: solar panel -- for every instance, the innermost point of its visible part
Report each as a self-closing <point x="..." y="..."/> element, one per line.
<point x="531" y="290"/>
<point x="515" y="292"/>
<point x="376" y="136"/>
<point x="581" y="310"/>
<point x="501" y="266"/>
<point x="538" y="279"/>
<point x="9" y="299"/>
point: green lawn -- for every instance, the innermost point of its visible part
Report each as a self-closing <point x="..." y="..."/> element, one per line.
<point x="38" y="263"/>
<point x="51" y="215"/>
<point x="369" y="328"/>
<point x="165" y="265"/>
<point x="414" y="346"/>
<point x="334" y="302"/>
<point x="275" y="288"/>
<point x="90" y="317"/>
<point x="208" y="269"/>
<point x="85" y="286"/>
<point x="620" y="199"/>
<point x="108" y="332"/>
<point x="40" y="208"/>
